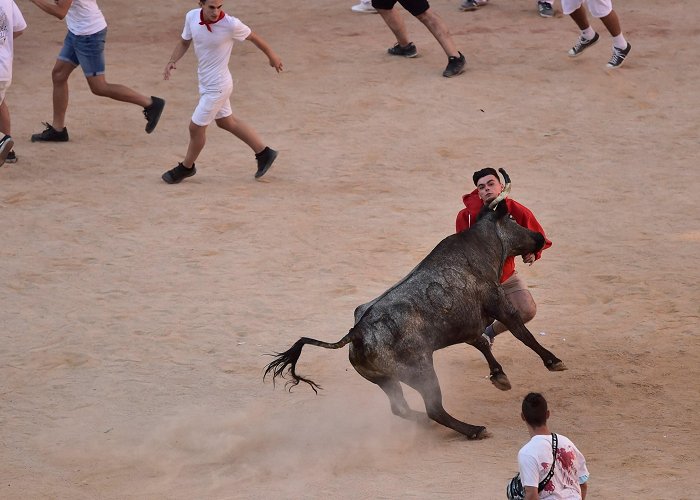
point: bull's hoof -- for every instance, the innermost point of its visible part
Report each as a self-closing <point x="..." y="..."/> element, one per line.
<point x="557" y="366"/>
<point x="480" y="433"/>
<point x="500" y="381"/>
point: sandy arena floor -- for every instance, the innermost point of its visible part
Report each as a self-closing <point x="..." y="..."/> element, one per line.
<point x="136" y="315"/>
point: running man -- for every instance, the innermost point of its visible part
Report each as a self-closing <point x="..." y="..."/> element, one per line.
<point x="214" y="33"/>
<point x="84" y="46"/>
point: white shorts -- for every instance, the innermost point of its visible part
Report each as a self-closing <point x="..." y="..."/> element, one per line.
<point x="597" y="8"/>
<point x="212" y="106"/>
<point x="3" y="90"/>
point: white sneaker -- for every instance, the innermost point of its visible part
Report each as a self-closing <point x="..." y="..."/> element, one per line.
<point x="364" y="8"/>
<point x="468" y="5"/>
<point x="6" y="144"/>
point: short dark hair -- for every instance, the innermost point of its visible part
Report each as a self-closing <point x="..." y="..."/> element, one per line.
<point x="483" y="173"/>
<point x="535" y="409"/>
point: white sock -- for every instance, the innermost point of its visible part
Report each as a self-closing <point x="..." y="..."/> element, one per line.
<point x="620" y="42"/>
<point x="589" y="33"/>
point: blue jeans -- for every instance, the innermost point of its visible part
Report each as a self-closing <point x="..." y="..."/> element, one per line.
<point x="87" y="51"/>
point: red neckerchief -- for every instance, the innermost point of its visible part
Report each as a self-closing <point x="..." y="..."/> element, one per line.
<point x="208" y="23"/>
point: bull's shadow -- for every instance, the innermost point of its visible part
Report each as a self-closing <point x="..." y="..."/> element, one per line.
<point x="449" y="298"/>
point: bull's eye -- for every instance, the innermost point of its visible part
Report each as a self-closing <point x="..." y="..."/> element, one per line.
<point x="511" y="217"/>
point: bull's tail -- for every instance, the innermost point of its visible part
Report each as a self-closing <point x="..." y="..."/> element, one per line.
<point x="288" y="360"/>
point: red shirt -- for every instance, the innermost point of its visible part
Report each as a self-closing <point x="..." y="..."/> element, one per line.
<point x="521" y="214"/>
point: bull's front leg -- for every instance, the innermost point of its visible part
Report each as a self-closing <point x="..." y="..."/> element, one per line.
<point x="496" y="374"/>
<point x="524" y="335"/>
<point x="509" y="316"/>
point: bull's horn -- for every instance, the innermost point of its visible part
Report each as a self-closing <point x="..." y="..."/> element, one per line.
<point x="504" y="193"/>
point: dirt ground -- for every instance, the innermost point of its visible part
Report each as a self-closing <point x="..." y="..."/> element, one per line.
<point x="136" y="315"/>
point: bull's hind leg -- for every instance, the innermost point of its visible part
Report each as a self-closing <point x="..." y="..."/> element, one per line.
<point x="424" y="379"/>
<point x="399" y="406"/>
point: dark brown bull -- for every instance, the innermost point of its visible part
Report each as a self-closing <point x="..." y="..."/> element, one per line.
<point x="449" y="298"/>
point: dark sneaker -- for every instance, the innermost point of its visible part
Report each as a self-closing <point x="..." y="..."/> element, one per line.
<point x="455" y="66"/>
<point x="407" y="51"/>
<point x="545" y="9"/>
<point x="178" y="173"/>
<point x="6" y="144"/>
<point x="265" y="159"/>
<point x="152" y="113"/>
<point x="50" y="134"/>
<point x="11" y="157"/>
<point x="582" y="45"/>
<point x="618" y="56"/>
<point x="468" y="5"/>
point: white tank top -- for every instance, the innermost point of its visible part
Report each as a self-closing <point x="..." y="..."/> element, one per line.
<point x="85" y="18"/>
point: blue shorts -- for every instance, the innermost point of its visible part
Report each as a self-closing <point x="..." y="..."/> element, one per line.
<point x="87" y="51"/>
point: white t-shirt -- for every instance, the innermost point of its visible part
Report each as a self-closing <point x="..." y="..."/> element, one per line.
<point x="213" y="48"/>
<point x="11" y="20"/>
<point x="535" y="460"/>
<point x="84" y="17"/>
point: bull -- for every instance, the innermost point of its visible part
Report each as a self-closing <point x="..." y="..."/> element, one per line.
<point x="448" y="298"/>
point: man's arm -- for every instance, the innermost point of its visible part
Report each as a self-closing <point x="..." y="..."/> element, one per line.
<point x="531" y="493"/>
<point x="178" y="52"/>
<point x="275" y="61"/>
<point x="57" y="8"/>
<point x="584" y="490"/>
<point x="15" y="34"/>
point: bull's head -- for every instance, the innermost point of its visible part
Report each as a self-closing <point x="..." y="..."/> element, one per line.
<point x="516" y="239"/>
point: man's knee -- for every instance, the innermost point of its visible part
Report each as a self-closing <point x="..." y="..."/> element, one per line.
<point x="98" y="86"/>
<point x="426" y="17"/>
<point x="99" y="91"/>
<point x="196" y="129"/>
<point x="527" y="311"/>
<point x="225" y="122"/>
<point x="59" y="75"/>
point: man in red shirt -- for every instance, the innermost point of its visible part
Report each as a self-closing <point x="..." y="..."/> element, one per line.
<point x="488" y="187"/>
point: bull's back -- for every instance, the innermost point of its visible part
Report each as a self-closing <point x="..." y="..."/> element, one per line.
<point x="437" y="304"/>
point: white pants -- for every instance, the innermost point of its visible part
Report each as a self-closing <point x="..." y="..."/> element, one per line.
<point x="213" y="104"/>
<point x="597" y="8"/>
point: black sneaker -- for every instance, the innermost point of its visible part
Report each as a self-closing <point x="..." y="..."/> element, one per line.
<point x="407" y="51"/>
<point x="455" y="66"/>
<point x="11" y="157"/>
<point x="6" y="144"/>
<point x="618" y="57"/>
<point x="582" y="45"/>
<point x="50" y="134"/>
<point x="265" y="159"/>
<point x="178" y="173"/>
<point x="545" y="9"/>
<point x="152" y="113"/>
